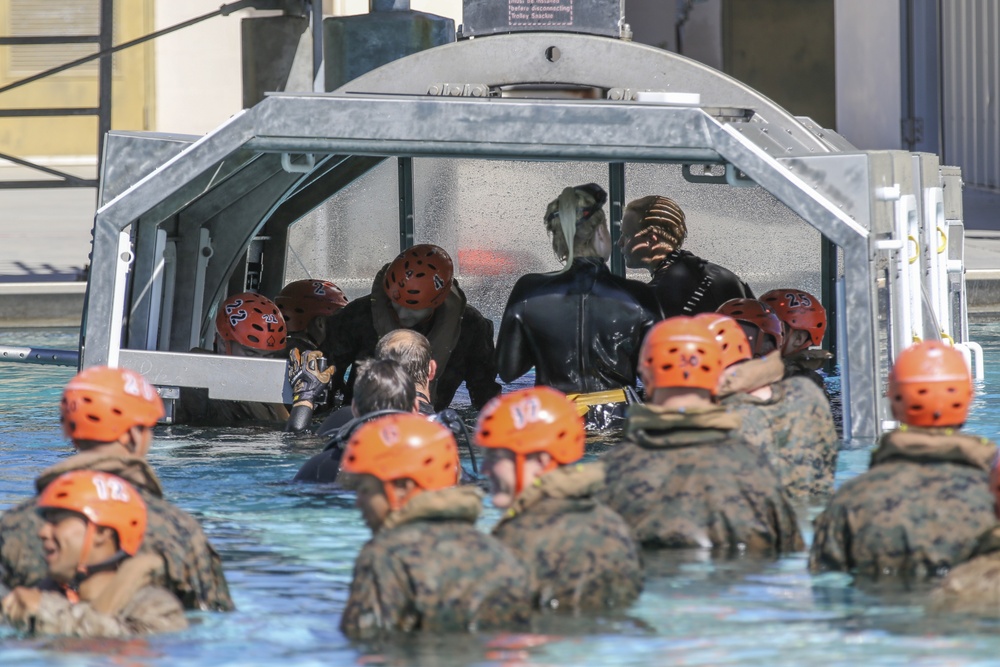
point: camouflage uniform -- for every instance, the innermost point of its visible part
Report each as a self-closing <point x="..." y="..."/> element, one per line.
<point x="974" y="586"/>
<point x="128" y="605"/>
<point x="461" y="344"/>
<point x="193" y="570"/>
<point x="916" y="512"/>
<point x="582" y="555"/>
<point x="688" y="480"/>
<point x="429" y="569"/>
<point x="800" y="440"/>
<point x="807" y="364"/>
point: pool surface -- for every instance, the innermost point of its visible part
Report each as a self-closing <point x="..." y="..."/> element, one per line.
<point x="288" y="552"/>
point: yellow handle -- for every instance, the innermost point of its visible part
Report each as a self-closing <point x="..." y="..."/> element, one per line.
<point x="945" y="336"/>
<point x="944" y="240"/>
<point x="916" y="247"/>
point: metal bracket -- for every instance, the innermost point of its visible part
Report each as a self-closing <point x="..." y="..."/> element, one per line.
<point x="459" y="90"/>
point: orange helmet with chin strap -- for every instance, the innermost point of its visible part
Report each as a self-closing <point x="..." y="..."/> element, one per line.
<point x="756" y="313"/>
<point x="528" y="421"/>
<point x="730" y="335"/>
<point x="252" y="321"/>
<point x="799" y="310"/>
<point x="403" y="446"/>
<point x="303" y="300"/>
<point x="681" y="352"/>
<point x="101" y="404"/>
<point x="420" y="277"/>
<point x="930" y="385"/>
<point x="104" y="500"/>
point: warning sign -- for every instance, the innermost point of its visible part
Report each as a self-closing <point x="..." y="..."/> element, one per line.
<point x="487" y="17"/>
<point x="540" y="13"/>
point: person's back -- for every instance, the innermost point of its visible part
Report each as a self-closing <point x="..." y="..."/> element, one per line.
<point x="192" y="569"/>
<point x="427" y="568"/>
<point x="580" y="329"/>
<point x="582" y="555"/>
<point x="973" y="586"/>
<point x="682" y="477"/>
<point x="690" y="481"/>
<point x="925" y="498"/>
<point x="456" y="578"/>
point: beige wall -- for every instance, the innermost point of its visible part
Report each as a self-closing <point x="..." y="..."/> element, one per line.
<point x="198" y="70"/>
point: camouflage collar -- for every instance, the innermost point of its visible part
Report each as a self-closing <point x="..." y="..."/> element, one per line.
<point x="752" y="374"/>
<point x="935" y="445"/>
<point x="132" y="469"/>
<point x="808" y="359"/>
<point x="457" y="503"/>
<point x="988" y="542"/>
<point x="655" y="427"/>
<point x="578" y="481"/>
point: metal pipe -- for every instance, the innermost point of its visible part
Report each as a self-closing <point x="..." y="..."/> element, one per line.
<point x="39" y="355"/>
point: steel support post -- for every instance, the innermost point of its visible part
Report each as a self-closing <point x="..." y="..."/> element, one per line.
<point x="828" y="280"/>
<point x="104" y="78"/>
<point x="405" y="202"/>
<point x="616" y="209"/>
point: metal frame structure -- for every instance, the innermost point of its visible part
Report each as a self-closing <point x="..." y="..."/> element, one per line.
<point x="194" y="215"/>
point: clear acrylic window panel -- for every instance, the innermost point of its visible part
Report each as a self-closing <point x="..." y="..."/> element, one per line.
<point x="744" y="229"/>
<point x="350" y="236"/>
<point x="488" y="214"/>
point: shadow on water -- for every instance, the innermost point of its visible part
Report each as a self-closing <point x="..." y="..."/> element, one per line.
<point x="289" y="552"/>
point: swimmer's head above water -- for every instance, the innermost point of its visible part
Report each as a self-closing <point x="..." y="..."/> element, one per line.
<point x="394" y="459"/>
<point x="527" y="433"/>
<point x="680" y="364"/>
<point x="652" y="228"/>
<point x="250" y="325"/>
<point x="577" y="216"/>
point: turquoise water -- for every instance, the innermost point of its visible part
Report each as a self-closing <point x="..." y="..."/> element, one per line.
<point x="288" y="552"/>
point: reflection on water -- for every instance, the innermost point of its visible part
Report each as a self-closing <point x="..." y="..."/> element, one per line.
<point x="289" y="551"/>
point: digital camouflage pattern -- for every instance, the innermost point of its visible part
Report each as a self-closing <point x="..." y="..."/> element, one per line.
<point x="807" y="364"/>
<point x="799" y="439"/>
<point x="917" y="510"/>
<point x="581" y="554"/>
<point x="192" y="569"/>
<point x="428" y="569"/>
<point x="151" y="610"/>
<point x="973" y="587"/>
<point x="687" y="480"/>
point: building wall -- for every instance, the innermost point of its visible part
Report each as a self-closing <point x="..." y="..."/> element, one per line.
<point x="868" y="73"/>
<point x="78" y="87"/>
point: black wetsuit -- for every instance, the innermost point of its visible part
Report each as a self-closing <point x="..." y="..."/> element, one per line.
<point x="686" y="284"/>
<point x="352" y="334"/>
<point x="580" y="329"/>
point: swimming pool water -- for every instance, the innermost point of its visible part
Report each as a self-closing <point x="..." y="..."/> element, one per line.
<point x="288" y="552"/>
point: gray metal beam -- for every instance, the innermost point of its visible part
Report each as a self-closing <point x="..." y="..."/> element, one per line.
<point x="226" y="378"/>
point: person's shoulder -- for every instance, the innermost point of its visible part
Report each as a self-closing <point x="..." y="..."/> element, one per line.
<point x="162" y="511"/>
<point x="23" y="512"/>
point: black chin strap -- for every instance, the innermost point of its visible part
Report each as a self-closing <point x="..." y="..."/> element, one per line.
<point x="104" y="566"/>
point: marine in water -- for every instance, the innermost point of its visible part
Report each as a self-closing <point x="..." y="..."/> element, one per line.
<point x="581" y="554"/>
<point x="427" y="568"/>
<point x="925" y="498"/>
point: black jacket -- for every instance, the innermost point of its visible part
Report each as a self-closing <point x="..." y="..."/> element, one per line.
<point x="352" y="334"/>
<point x="580" y="329"/>
<point x="686" y="284"/>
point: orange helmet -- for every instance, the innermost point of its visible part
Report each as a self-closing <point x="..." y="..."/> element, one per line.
<point x="756" y="313"/>
<point x="420" y="277"/>
<point x="930" y="385"/>
<point x="302" y="300"/>
<point x="105" y="500"/>
<point x="100" y="404"/>
<point x="538" y="419"/>
<point x="403" y="446"/>
<point x="251" y="320"/>
<point x="681" y="352"/>
<point x="800" y="310"/>
<point x="735" y="346"/>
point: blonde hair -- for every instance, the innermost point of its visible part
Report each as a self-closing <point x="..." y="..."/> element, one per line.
<point x="578" y="212"/>
<point x="664" y="214"/>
